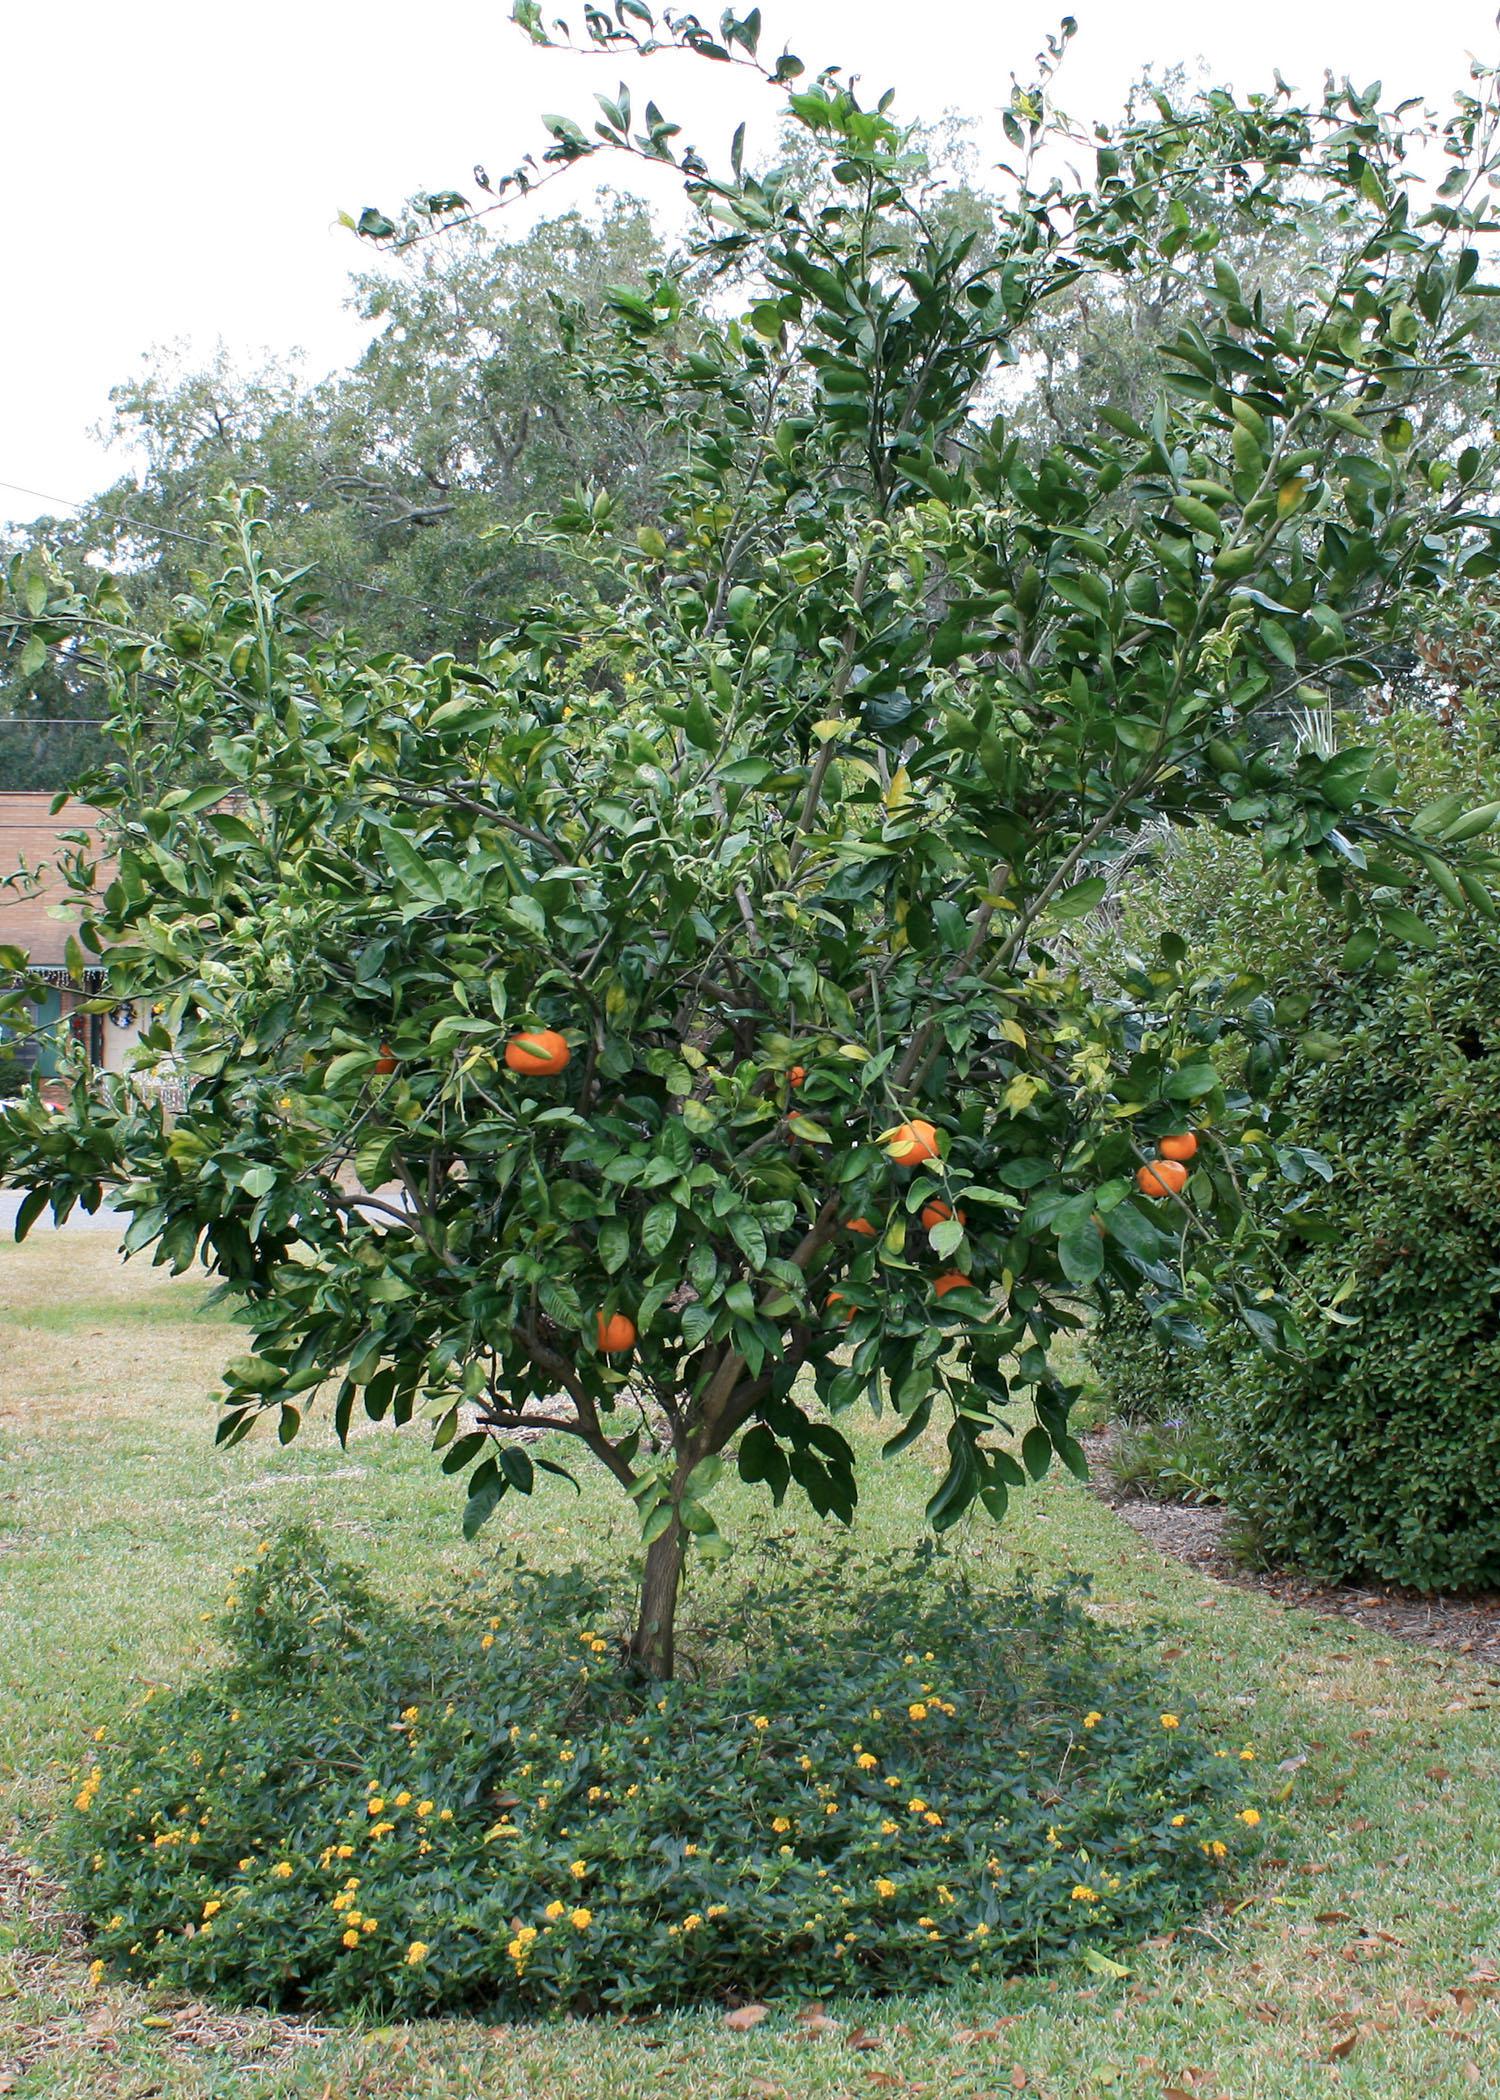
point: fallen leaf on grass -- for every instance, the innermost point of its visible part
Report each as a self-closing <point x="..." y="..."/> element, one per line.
<point x="961" y="2037"/>
<point x="1332" y="1917"/>
<point x="861" y="2038"/>
<point x="745" y="2017"/>
<point x="1341" y="2049"/>
<point x="813" y="2020"/>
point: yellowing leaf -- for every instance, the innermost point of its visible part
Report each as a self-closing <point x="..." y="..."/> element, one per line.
<point x="1013" y="1032"/>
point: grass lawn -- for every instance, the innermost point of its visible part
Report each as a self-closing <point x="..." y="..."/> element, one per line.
<point x="1361" y="1958"/>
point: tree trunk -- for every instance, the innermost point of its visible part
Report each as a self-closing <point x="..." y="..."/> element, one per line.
<point x="653" y="1646"/>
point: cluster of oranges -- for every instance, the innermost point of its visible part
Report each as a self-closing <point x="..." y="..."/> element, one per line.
<point x="1167" y="1174"/>
<point x="539" y="1053"/>
<point x="910" y="1145"/>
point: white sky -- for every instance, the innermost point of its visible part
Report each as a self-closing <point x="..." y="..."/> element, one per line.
<point x="172" y="169"/>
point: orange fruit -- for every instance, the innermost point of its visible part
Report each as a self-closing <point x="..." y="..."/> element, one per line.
<point x="1164" y="1177"/>
<point x="910" y="1143"/>
<point x="933" y="1213"/>
<point x="837" y="1298"/>
<point x="797" y="1074"/>
<point x="385" y="1064"/>
<point x="862" y="1225"/>
<point x="1183" y="1146"/>
<point x="950" y="1280"/>
<point x="539" y="1052"/>
<point x="616" y="1334"/>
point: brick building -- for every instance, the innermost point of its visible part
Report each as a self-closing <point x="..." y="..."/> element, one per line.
<point x="40" y="918"/>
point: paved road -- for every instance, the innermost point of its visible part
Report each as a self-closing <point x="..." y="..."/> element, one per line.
<point x="103" y="1220"/>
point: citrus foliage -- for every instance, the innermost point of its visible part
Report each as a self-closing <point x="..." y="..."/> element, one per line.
<point x="375" y="1807"/>
<point x="784" y="831"/>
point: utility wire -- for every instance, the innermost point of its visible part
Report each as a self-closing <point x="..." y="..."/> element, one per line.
<point x="193" y="539"/>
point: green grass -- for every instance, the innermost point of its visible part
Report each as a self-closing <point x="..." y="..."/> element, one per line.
<point x="1373" y="1916"/>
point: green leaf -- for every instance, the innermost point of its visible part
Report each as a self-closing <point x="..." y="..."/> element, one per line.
<point x="1036" y="1451"/>
<point x="657" y="1522"/>
<point x="1190" y="1082"/>
<point x="614" y="1245"/>
<point x="1079" y="901"/>
<point x="409" y="868"/>
<point x="1081" y="1253"/>
<point x="1403" y="925"/>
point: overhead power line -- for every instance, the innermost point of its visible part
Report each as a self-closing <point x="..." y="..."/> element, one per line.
<point x="193" y="539"/>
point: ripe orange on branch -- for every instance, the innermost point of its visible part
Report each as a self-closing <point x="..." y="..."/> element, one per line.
<point x="950" y="1280"/>
<point x="1164" y="1177"/>
<point x="935" y="1212"/>
<point x="385" y="1064"/>
<point x="537" y="1053"/>
<point x="796" y="1075"/>
<point x="863" y="1227"/>
<point x="616" y="1334"/>
<point x="1182" y="1146"/>
<point x="911" y="1143"/>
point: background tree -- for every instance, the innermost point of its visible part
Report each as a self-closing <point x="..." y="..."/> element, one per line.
<point x="393" y="483"/>
<point x="690" y="976"/>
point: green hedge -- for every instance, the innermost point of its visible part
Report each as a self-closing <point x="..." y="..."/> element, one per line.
<point x="1378" y="1453"/>
<point x="1143" y="1375"/>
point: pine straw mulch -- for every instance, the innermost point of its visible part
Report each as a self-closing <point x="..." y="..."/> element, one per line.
<point x="60" y="2008"/>
<point x="1467" y="1626"/>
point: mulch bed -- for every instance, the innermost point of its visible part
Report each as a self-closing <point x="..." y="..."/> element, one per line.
<point x="1468" y="1626"/>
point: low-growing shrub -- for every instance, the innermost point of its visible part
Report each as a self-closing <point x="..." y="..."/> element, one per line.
<point x="883" y="1776"/>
